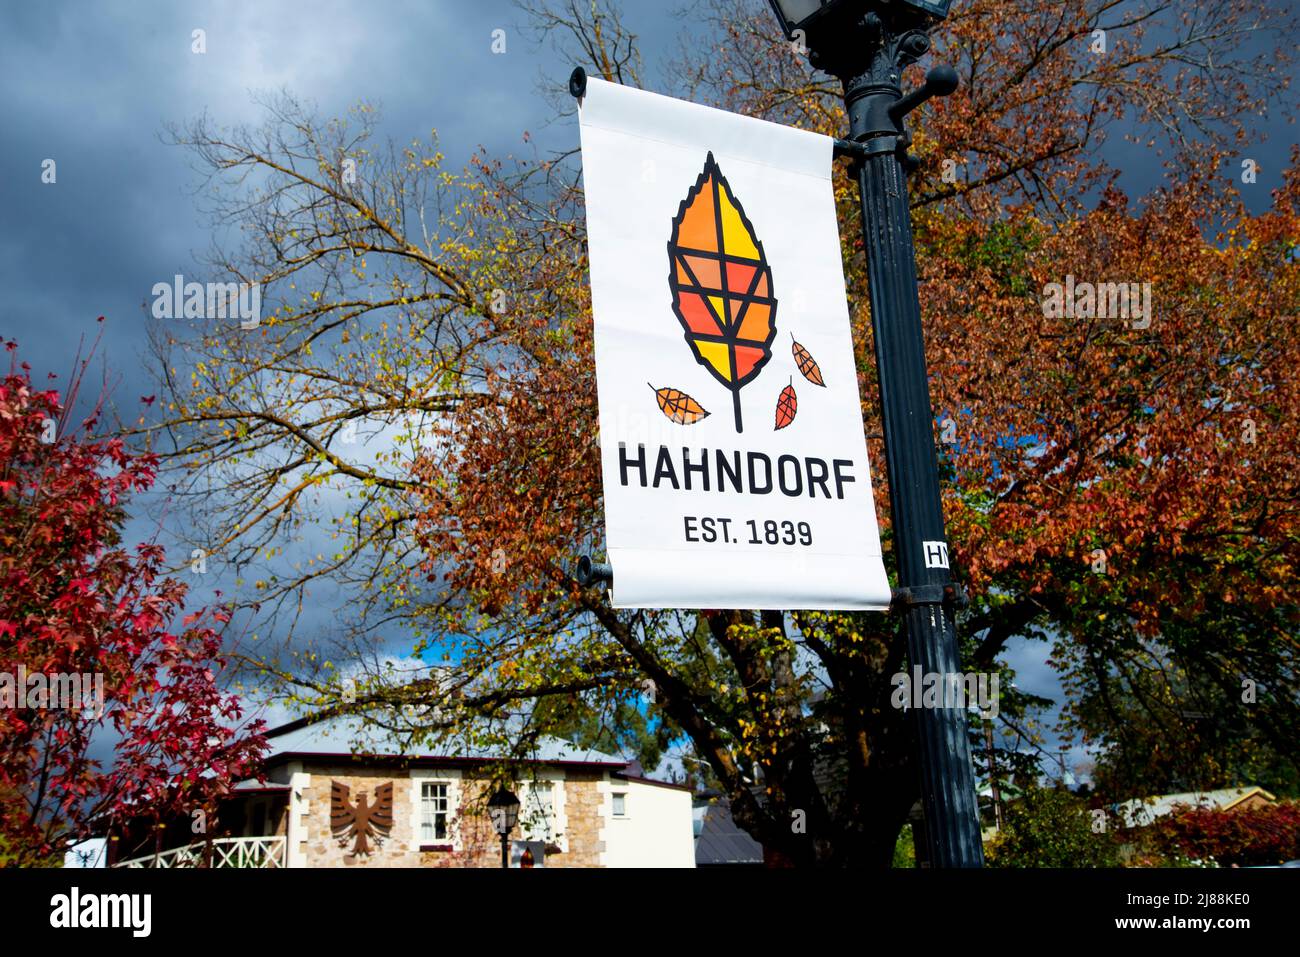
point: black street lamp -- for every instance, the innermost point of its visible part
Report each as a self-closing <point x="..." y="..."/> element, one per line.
<point x="866" y="44"/>
<point x="503" y="810"/>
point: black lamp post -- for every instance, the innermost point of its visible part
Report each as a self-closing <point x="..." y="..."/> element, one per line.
<point x="503" y="810"/>
<point x="866" y="44"/>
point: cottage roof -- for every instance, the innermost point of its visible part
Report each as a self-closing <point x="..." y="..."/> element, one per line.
<point x="352" y="735"/>
<point x="1141" y="811"/>
<point x="719" y="841"/>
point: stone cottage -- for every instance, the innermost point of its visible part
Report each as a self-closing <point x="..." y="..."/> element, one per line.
<point x="344" y="793"/>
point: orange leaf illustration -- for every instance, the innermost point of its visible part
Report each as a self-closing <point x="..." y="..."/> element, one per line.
<point x="679" y="406"/>
<point x="786" y="407"/>
<point x="722" y="284"/>
<point x="806" y="363"/>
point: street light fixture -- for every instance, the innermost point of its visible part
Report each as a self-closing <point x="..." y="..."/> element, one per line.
<point x="503" y="810"/>
<point x="866" y="44"/>
<point x="805" y="14"/>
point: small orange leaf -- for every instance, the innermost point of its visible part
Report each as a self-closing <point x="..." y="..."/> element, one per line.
<point x="679" y="406"/>
<point x="786" y="407"/>
<point x="807" y="364"/>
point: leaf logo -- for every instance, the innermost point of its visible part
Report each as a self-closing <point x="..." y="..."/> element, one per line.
<point x="808" y="366"/>
<point x="787" y="405"/>
<point x="722" y="284"/>
<point x="679" y="406"/>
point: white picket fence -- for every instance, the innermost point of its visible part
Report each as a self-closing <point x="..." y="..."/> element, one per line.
<point x="226" y="852"/>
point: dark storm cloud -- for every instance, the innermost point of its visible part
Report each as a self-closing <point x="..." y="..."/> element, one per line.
<point x="92" y="86"/>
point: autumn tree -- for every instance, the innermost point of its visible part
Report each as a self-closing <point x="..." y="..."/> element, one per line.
<point x="1263" y="836"/>
<point x="147" y="731"/>
<point x="423" y="387"/>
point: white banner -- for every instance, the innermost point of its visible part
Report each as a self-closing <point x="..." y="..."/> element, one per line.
<point x="733" y="455"/>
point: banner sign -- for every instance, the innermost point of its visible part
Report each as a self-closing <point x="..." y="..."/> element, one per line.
<point x="733" y="454"/>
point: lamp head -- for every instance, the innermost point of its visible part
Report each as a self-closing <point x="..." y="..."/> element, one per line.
<point x="808" y="20"/>
<point x="503" y="810"/>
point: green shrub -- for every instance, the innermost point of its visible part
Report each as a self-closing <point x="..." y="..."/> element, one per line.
<point x="1050" y="827"/>
<point x="904" y="851"/>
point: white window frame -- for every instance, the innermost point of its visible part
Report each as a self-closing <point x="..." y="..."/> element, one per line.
<point x="613" y="807"/>
<point x="559" y="820"/>
<point x="452" y="780"/>
<point x="445" y="811"/>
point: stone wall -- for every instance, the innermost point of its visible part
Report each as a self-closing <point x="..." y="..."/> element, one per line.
<point x="322" y="849"/>
<point x="474" y="843"/>
<point x="583" y="805"/>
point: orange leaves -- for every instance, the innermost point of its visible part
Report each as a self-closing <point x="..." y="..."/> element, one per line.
<point x="787" y="404"/>
<point x="807" y="364"/>
<point x="721" y="284"/>
<point x="679" y="406"/>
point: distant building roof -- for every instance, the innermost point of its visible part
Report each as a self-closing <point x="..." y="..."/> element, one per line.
<point x="1142" y="811"/>
<point x="642" y="779"/>
<point x="719" y="841"/>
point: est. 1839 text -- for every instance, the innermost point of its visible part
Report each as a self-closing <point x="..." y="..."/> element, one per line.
<point x="710" y="530"/>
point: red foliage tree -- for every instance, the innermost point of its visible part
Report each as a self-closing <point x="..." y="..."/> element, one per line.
<point x="73" y="601"/>
<point x="1251" y="837"/>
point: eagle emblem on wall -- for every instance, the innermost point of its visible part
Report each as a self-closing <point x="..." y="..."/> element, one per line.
<point x="361" y="820"/>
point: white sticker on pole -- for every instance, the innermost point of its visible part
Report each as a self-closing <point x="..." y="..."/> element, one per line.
<point x="732" y="447"/>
